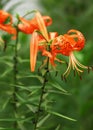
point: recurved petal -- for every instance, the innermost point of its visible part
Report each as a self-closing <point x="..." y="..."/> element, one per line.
<point x="47" y="20"/>
<point x="80" y="39"/>
<point x="27" y="26"/>
<point x="8" y="29"/>
<point x="3" y="17"/>
<point x="24" y="26"/>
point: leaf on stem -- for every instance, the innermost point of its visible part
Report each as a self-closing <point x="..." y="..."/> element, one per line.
<point x="41" y="122"/>
<point x="32" y="76"/>
<point x="57" y="86"/>
<point x="60" y="115"/>
<point x="58" y="127"/>
<point x="2" y="128"/>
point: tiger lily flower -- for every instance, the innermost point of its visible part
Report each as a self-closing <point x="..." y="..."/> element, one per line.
<point x="68" y="43"/>
<point x="4" y="17"/>
<point x="38" y="23"/>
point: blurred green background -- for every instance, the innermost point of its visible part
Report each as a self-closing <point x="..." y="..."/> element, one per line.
<point x="66" y="14"/>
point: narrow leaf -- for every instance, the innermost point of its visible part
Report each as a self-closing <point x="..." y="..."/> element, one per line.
<point x="58" y="127"/>
<point x="43" y="120"/>
<point x="57" y="86"/>
<point x="12" y="119"/>
<point x="28" y="88"/>
<point x="32" y="76"/>
<point x="5" y="103"/>
<point x="58" y="92"/>
<point x="5" y="73"/>
<point x="60" y="115"/>
<point x="1" y="128"/>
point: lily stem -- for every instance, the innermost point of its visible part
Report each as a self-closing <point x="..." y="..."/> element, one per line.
<point x="45" y="80"/>
<point x="15" y="90"/>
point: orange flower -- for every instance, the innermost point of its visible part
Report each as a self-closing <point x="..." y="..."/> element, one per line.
<point x="29" y="26"/>
<point x="4" y="18"/>
<point x="65" y="45"/>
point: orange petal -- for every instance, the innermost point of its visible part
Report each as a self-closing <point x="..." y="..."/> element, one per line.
<point x="24" y="26"/>
<point x="41" y="25"/>
<point x="80" y="39"/>
<point x="3" y="17"/>
<point x="47" y="20"/>
<point x="46" y="53"/>
<point x="33" y="50"/>
<point x="27" y="26"/>
<point x="8" y="29"/>
<point x="52" y="35"/>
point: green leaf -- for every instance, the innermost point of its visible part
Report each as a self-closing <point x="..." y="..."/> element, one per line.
<point x="20" y="123"/>
<point x="60" y="115"/>
<point x="7" y="20"/>
<point x="12" y="119"/>
<point x="30" y="105"/>
<point x="5" y="103"/>
<point x="5" y="73"/>
<point x="20" y="60"/>
<point x="57" y="86"/>
<point x="28" y="88"/>
<point x="20" y="98"/>
<point x="58" y="127"/>
<point x="6" y="58"/>
<point x="58" y="92"/>
<point x="40" y="123"/>
<point x="31" y="108"/>
<point x="1" y="128"/>
<point x="7" y="62"/>
<point x="32" y="76"/>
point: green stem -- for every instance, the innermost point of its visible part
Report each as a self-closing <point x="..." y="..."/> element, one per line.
<point x="15" y="125"/>
<point x="30" y="12"/>
<point x="42" y="94"/>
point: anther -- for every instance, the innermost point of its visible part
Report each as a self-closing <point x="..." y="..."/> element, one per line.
<point x="80" y="77"/>
<point x="64" y="78"/>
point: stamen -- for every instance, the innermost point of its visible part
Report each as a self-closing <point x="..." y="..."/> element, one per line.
<point x="68" y="70"/>
<point x="75" y="65"/>
<point x="77" y="62"/>
<point x="64" y="78"/>
<point x="80" y="77"/>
